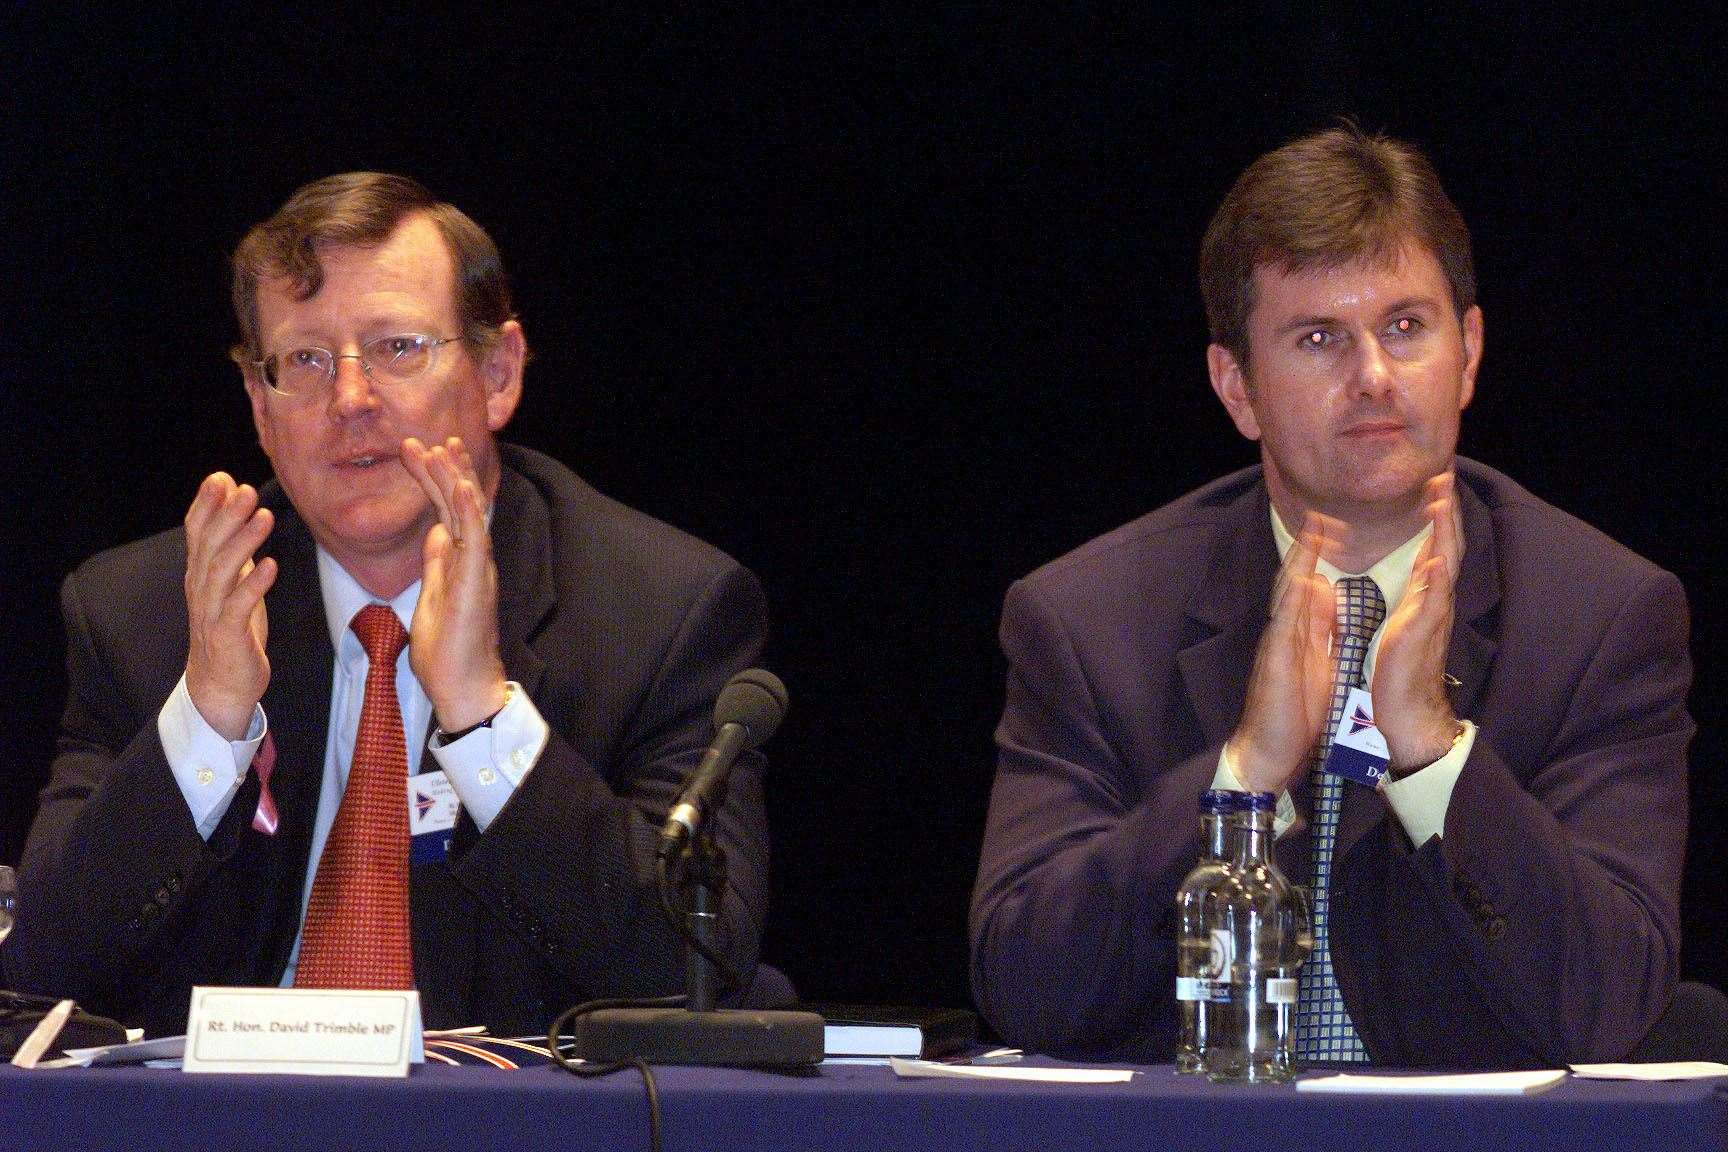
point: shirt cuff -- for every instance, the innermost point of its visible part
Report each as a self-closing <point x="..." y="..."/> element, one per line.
<point x="1420" y="799"/>
<point x="208" y="767"/>
<point x="1225" y="779"/>
<point x="489" y="764"/>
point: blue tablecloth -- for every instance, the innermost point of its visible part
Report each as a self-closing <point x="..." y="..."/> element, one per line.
<point x="836" y="1108"/>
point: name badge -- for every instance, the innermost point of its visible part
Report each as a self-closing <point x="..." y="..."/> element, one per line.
<point x="315" y="1031"/>
<point x="1358" y="749"/>
<point x="432" y="809"/>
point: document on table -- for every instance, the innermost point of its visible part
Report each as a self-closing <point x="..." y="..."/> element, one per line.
<point x="1466" y="1084"/>
<point x="915" y="1069"/>
<point x="162" y="1051"/>
<point x="1676" y="1070"/>
<point x="167" y="1051"/>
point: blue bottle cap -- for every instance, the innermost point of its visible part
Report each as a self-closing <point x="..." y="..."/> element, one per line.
<point x="1256" y="802"/>
<point x="1218" y="801"/>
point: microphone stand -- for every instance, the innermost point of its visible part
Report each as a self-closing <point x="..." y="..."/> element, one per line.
<point x="704" y="879"/>
<point x="701" y="1033"/>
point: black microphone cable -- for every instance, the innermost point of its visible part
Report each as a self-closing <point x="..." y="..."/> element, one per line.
<point x="588" y="1071"/>
<point x="675" y="914"/>
<point x="754" y="699"/>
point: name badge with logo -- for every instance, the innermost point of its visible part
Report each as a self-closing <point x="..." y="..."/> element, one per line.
<point x="432" y="809"/>
<point x="1358" y="749"/>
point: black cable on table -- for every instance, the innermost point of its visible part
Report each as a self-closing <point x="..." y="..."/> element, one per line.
<point x="586" y="1070"/>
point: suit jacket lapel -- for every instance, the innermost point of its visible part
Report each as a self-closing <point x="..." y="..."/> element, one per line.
<point x="522" y="549"/>
<point x="1229" y="605"/>
<point x="297" y="705"/>
<point x="1478" y="595"/>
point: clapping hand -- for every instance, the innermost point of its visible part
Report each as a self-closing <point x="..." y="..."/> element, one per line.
<point x="1290" y="687"/>
<point x="226" y="666"/>
<point x="453" y="640"/>
<point x="1410" y="704"/>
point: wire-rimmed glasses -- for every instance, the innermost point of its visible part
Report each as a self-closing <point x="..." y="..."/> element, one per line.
<point x="389" y="361"/>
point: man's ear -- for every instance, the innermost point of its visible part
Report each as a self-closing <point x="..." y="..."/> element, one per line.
<point x="1472" y="355"/>
<point x="501" y="371"/>
<point x="257" y="393"/>
<point x="1230" y="382"/>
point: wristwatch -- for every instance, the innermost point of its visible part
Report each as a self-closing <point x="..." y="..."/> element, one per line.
<point x="441" y="738"/>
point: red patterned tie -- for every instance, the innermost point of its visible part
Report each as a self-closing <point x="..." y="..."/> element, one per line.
<point x="356" y="930"/>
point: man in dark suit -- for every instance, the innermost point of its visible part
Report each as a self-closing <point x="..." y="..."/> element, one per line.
<point x="1508" y="895"/>
<point x="203" y="822"/>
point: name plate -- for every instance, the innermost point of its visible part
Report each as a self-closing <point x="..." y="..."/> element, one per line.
<point x="313" y="1031"/>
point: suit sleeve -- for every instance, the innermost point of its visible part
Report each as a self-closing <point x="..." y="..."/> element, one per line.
<point x="568" y="864"/>
<point x="1073" y="950"/>
<point x="113" y="857"/>
<point x="1558" y="895"/>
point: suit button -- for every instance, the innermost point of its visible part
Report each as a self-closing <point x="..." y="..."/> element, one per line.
<point x="173" y="884"/>
<point x="1495" y="928"/>
<point x="147" y="913"/>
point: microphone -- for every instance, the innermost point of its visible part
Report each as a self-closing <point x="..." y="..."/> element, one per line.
<point x="747" y="712"/>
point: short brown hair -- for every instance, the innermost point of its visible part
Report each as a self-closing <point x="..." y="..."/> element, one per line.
<point x="364" y="208"/>
<point x="1322" y="201"/>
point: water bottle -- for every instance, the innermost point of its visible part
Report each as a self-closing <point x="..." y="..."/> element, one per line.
<point x="1202" y="976"/>
<point x="1258" y="924"/>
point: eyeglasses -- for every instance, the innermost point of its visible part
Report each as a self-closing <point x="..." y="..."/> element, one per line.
<point x="389" y="361"/>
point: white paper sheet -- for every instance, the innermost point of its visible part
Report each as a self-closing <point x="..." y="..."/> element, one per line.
<point x="1677" y="1070"/>
<point x="1466" y="1084"/>
<point x="913" y="1069"/>
<point x="136" y="1052"/>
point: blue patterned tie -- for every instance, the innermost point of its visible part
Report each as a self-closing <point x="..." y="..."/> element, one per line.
<point x="1323" y="1028"/>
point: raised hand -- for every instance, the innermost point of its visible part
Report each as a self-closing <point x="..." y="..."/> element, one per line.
<point x="1409" y="689"/>
<point x="226" y="666"/>
<point x="1290" y="687"/>
<point x="453" y="640"/>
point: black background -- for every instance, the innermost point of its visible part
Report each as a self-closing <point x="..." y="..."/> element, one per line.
<point x="894" y="306"/>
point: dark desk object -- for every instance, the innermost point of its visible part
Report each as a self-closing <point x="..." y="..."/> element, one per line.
<point x="19" y="1015"/>
<point x="836" y="1108"/>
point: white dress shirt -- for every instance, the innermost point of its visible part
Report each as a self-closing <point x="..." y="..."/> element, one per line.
<point x="485" y="767"/>
<point x="1419" y="800"/>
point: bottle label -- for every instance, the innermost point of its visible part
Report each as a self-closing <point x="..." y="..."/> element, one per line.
<point x="1223" y="953"/>
<point x="1281" y="991"/>
<point x="1196" y="988"/>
